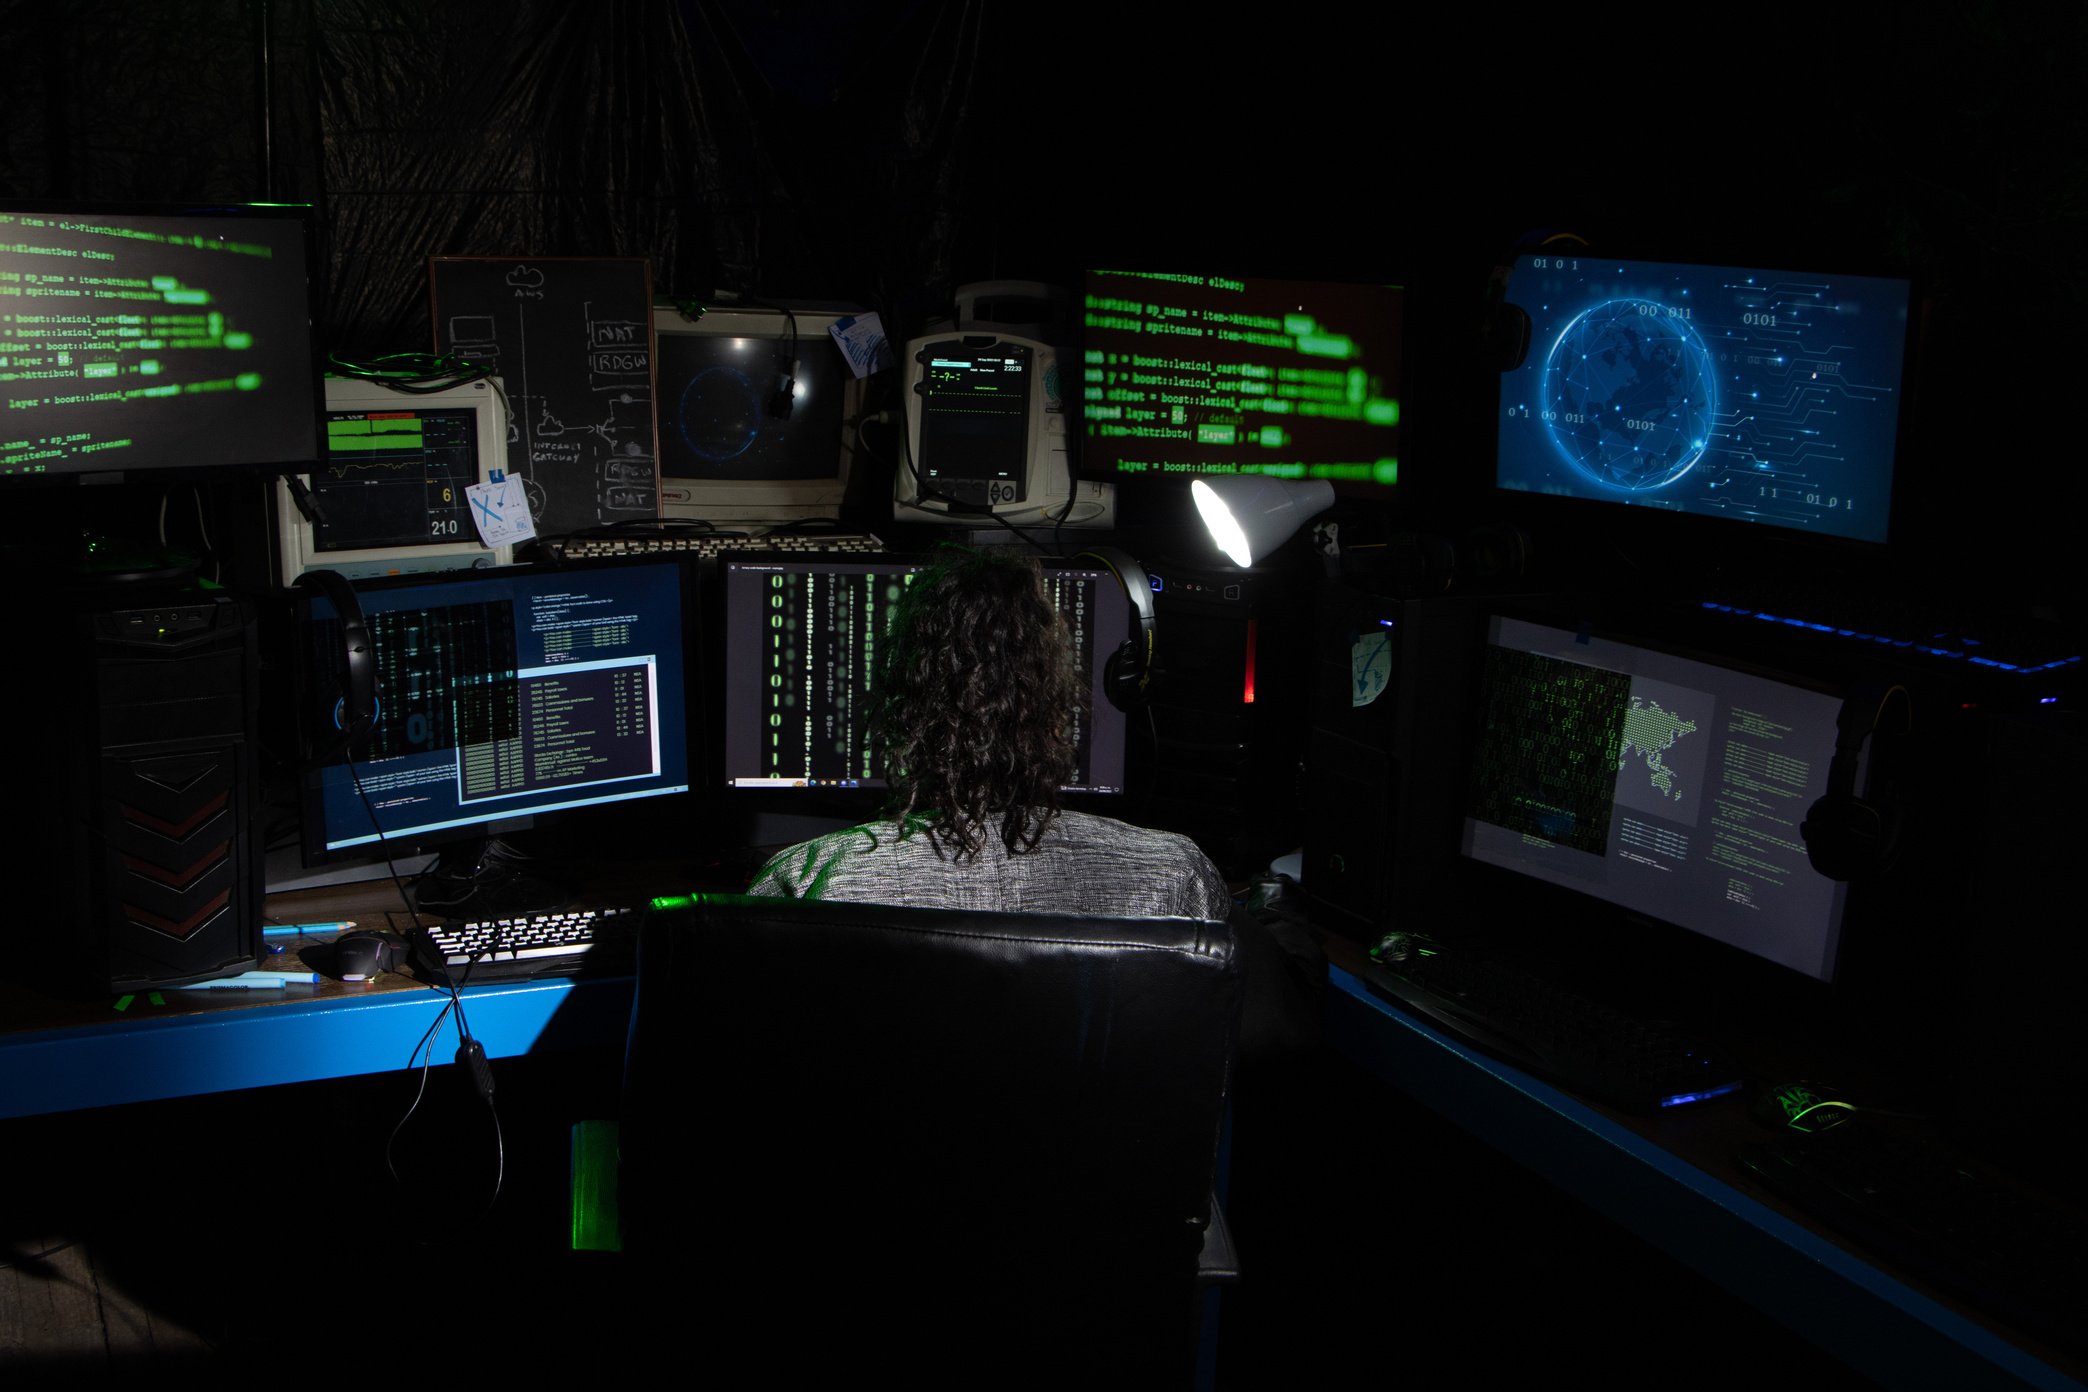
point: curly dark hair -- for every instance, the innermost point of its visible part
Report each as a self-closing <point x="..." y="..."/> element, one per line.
<point x="975" y="696"/>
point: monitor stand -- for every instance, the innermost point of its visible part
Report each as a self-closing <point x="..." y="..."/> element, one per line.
<point x="486" y="878"/>
<point x="287" y="872"/>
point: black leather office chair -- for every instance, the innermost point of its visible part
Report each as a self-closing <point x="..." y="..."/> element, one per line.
<point x="945" y="1146"/>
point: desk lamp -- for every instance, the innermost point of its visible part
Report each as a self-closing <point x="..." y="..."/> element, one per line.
<point x="1249" y="515"/>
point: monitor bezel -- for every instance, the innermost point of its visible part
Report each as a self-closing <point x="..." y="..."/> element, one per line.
<point x="1707" y="547"/>
<point x="761" y="501"/>
<point x="260" y="465"/>
<point x="313" y="692"/>
<point x="1659" y="943"/>
<point x="864" y="801"/>
<point x="298" y="548"/>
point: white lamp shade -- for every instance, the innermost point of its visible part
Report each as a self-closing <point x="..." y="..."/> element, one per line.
<point x="1249" y="515"/>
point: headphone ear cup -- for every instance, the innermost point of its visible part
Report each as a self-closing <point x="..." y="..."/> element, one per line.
<point x="1848" y="837"/>
<point x="355" y="709"/>
<point x="1124" y="675"/>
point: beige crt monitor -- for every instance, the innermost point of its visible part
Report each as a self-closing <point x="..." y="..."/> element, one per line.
<point x="759" y="411"/>
<point x="391" y="497"/>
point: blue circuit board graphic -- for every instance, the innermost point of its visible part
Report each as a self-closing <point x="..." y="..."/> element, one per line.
<point x="1758" y="395"/>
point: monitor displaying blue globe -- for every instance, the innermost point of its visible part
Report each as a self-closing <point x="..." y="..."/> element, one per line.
<point x="1759" y="396"/>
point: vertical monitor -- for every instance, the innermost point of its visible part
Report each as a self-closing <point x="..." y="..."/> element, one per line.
<point x="502" y="696"/>
<point x="801" y="637"/>
<point x="155" y="340"/>
<point x="758" y="409"/>
<point x="1753" y="395"/>
<point x="1664" y="786"/>
<point x="1185" y="374"/>
<point x="393" y="494"/>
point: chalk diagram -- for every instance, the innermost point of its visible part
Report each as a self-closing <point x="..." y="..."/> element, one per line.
<point x="575" y="357"/>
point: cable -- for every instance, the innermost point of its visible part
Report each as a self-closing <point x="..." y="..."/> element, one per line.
<point x="413" y="373"/>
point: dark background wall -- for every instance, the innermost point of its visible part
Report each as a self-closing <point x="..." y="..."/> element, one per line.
<point x="885" y="152"/>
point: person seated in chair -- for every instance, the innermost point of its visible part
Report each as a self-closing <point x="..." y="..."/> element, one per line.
<point x="974" y="697"/>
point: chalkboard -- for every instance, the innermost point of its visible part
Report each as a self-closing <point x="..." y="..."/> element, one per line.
<point x="571" y="339"/>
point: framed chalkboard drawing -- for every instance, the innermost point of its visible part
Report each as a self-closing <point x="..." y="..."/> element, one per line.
<point x="571" y="340"/>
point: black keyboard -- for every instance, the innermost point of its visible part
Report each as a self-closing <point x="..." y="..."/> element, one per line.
<point x="1994" y="1244"/>
<point x="709" y="546"/>
<point x="526" y="947"/>
<point x="1502" y="1008"/>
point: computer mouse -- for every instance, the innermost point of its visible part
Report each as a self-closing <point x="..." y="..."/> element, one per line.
<point x="1800" y="1106"/>
<point x="360" y="955"/>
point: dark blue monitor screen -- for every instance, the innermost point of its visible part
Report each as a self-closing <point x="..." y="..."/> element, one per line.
<point x="1755" y="395"/>
<point x="503" y="695"/>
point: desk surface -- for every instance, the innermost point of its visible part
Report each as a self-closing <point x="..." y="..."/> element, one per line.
<point x="1670" y="1179"/>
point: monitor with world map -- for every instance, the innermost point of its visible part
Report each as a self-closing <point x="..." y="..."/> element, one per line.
<point x="1668" y="787"/>
<point x="1764" y="396"/>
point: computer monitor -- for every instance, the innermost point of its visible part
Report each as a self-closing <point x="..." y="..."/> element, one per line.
<point x="501" y="696"/>
<point x="1749" y="395"/>
<point x="391" y="497"/>
<point x="155" y="340"/>
<point x="1667" y="787"/>
<point x="1186" y="374"/>
<point x="759" y="411"/>
<point x="986" y="436"/>
<point x="800" y="637"/>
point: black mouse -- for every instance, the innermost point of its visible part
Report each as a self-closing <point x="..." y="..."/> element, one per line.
<point x="360" y="955"/>
<point x="1800" y="1106"/>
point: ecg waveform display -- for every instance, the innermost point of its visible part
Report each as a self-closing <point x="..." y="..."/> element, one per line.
<point x="503" y="695"/>
<point x="1666" y="787"/>
<point x="396" y="478"/>
<point x="1189" y="374"/>
<point x="802" y="645"/>
<point x="154" y="341"/>
<point x="1761" y="396"/>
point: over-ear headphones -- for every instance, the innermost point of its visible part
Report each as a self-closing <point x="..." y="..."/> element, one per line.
<point x="354" y="711"/>
<point x="1130" y="667"/>
<point x="1847" y="837"/>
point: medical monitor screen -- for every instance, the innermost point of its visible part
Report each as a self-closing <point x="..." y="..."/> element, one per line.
<point x="1753" y="395"/>
<point x="1666" y="787"/>
<point x="801" y="640"/>
<point x="134" y="342"/>
<point x="1187" y="374"/>
<point x="758" y="414"/>
<point x="502" y="696"/>
<point x="394" y="495"/>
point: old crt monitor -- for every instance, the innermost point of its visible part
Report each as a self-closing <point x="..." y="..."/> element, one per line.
<point x="758" y="413"/>
<point x="390" y="498"/>
<point x="501" y="696"/>
<point x="155" y="339"/>
<point x="986" y="435"/>
<point x="800" y="647"/>
<point x="1185" y="374"/>
<point x="1767" y="396"/>
<point x="1663" y="786"/>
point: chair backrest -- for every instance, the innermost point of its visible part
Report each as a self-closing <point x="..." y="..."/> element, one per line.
<point x="926" y="1109"/>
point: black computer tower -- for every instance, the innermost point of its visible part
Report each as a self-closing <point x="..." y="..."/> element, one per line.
<point x="1384" y="767"/>
<point x="1217" y="754"/>
<point x="135" y="714"/>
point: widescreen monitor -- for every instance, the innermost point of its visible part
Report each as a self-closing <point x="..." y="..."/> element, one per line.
<point x="1664" y="786"/>
<point x="1187" y="373"/>
<point x="800" y="639"/>
<point x="502" y="696"/>
<point x="156" y="340"/>
<point x="392" y="497"/>
<point x="1764" y="396"/>
<point x="759" y="411"/>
